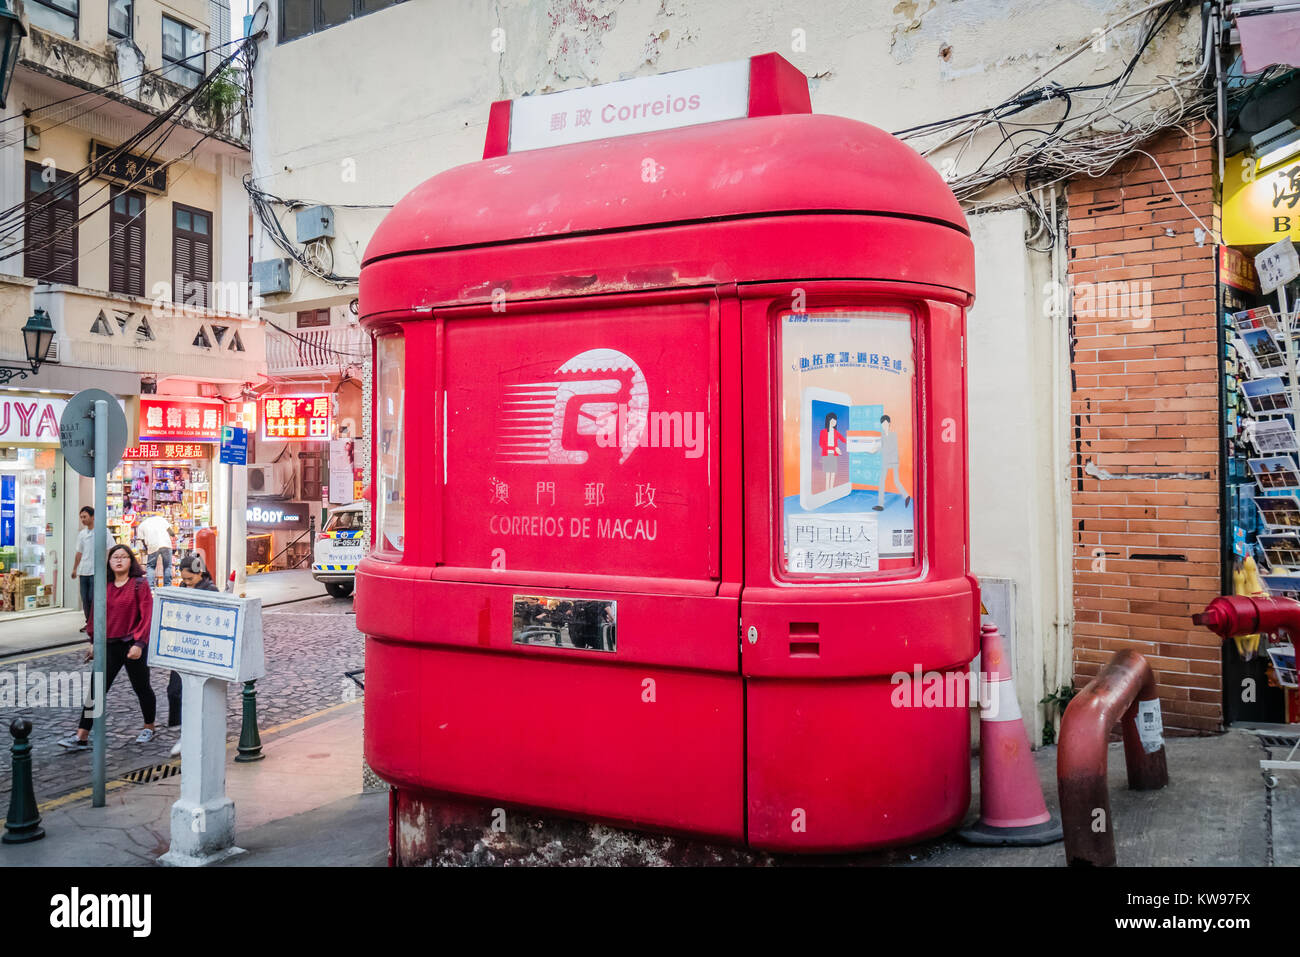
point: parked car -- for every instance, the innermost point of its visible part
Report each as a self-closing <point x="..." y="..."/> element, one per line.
<point x="339" y="548"/>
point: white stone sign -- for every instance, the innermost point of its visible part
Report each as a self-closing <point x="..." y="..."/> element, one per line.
<point x="207" y="633"/>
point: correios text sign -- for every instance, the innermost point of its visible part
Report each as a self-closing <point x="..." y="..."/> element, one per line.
<point x="640" y="105"/>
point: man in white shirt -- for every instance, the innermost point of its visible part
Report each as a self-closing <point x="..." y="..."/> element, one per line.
<point x="83" y="563"/>
<point x="157" y="536"/>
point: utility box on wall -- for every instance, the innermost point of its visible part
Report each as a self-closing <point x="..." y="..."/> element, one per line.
<point x="271" y="276"/>
<point x="317" y="222"/>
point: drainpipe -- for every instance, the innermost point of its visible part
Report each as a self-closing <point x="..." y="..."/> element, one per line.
<point x="1060" y="475"/>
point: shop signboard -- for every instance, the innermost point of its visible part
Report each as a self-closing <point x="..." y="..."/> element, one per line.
<point x="303" y="418"/>
<point x="275" y="516"/>
<point x="155" y="451"/>
<point x="168" y="418"/>
<point x="27" y="420"/>
<point x="1260" y="207"/>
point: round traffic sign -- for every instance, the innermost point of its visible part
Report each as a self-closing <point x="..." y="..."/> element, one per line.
<point x="77" y="432"/>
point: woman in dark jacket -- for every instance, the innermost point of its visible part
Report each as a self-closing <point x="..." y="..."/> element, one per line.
<point x="128" y="613"/>
<point x="194" y="574"/>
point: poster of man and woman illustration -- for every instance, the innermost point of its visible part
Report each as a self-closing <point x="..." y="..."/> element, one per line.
<point x="848" y="457"/>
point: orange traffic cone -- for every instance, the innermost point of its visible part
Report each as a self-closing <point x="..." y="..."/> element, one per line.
<point x="1012" y="809"/>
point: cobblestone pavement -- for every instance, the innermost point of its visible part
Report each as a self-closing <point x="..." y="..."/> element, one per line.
<point x="309" y="646"/>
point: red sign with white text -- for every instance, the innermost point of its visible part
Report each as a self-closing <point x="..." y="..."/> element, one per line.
<point x="166" y="418"/>
<point x="583" y="444"/>
<point x="151" y="451"/>
<point x="296" y="418"/>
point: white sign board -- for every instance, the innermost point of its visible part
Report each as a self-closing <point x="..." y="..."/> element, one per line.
<point x="641" y="105"/>
<point x="832" y="543"/>
<point x="1276" y="265"/>
<point x="207" y="633"/>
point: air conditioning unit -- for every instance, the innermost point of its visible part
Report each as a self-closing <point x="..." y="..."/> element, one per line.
<point x="261" y="480"/>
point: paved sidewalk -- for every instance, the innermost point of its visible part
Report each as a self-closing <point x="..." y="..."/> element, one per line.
<point x="302" y="805"/>
<point x="309" y="646"/>
<point x="55" y="629"/>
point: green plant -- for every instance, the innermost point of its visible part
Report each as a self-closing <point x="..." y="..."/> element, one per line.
<point x="222" y="95"/>
<point x="1056" y="702"/>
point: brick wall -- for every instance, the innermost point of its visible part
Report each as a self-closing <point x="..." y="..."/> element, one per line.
<point x="1145" y="410"/>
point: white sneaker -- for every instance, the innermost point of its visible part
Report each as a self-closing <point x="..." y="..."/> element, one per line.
<point x="145" y="736"/>
<point x="176" y="748"/>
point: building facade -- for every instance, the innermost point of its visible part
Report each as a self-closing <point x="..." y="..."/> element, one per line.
<point x="127" y="222"/>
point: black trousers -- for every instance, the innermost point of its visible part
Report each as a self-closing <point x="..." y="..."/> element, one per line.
<point x="137" y="671"/>
<point x="87" y="585"/>
<point x="174" y="700"/>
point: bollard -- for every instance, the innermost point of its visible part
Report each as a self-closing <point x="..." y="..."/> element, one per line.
<point x="250" y="742"/>
<point x="23" y="823"/>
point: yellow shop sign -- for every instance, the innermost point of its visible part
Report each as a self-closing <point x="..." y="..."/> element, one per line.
<point x="1260" y="208"/>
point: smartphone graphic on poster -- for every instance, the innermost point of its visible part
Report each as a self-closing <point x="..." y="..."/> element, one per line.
<point x="824" y="454"/>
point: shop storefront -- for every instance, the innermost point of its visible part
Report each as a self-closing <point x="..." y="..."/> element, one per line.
<point x="1260" y="398"/>
<point x="168" y="471"/>
<point x="37" y="539"/>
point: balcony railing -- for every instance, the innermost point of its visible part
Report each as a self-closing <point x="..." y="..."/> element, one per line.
<point x="323" y="350"/>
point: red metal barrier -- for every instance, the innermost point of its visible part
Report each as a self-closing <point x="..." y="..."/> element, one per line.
<point x="1127" y="687"/>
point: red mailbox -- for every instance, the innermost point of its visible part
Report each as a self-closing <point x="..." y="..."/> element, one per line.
<point x="670" y="473"/>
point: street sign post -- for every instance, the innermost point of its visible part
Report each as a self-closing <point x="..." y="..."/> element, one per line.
<point x="210" y="639"/>
<point x="92" y="432"/>
<point x="234" y="451"/>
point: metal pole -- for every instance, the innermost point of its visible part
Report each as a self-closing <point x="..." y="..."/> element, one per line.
<point x="230" y="521"/>
<point x="1288" y="331"/>
<point x="98" y="764"/>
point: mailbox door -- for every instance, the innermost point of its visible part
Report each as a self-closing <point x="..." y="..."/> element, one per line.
<point x="579" y="629"/>
<point x="854" y="565"/>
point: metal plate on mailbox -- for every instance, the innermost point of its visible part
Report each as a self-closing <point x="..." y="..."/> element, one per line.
<point x="584" y="624"/>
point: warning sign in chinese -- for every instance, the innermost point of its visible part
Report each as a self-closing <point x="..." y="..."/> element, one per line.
<point x="296" y="418"/>
<point x="165" y="419"/>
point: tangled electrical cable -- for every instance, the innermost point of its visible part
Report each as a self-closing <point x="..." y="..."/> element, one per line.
<point x="264" y="203"/>
<point x="150" y="139"/>
<point x="1083" y="144"/>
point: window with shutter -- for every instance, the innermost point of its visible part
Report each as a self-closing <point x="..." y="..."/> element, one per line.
<point x="50" y="223"/>
<point x="126" y="243"/>
<point x="191" y="256"/>
<point x="313" y="317"/>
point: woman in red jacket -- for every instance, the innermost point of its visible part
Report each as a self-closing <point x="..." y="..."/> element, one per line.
<point x="830" y="441"/>
<point x="127" y="618"/>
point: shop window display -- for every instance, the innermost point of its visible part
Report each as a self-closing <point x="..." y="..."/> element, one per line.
<point x="28" y="533"/>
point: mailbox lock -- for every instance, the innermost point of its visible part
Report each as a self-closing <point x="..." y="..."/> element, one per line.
<point x="753" y="635"/>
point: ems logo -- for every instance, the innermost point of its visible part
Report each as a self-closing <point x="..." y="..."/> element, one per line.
<point x="597" y="401"/>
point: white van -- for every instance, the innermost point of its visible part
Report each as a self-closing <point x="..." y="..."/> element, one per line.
<point x="339" y="548"/>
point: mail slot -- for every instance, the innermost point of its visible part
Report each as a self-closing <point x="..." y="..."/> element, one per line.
<point x="670" y="472"/>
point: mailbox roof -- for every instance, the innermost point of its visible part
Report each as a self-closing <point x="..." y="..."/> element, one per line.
<point x="735" y="168"/>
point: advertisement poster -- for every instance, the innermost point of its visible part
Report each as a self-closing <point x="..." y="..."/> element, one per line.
<point x="848" y="456"/>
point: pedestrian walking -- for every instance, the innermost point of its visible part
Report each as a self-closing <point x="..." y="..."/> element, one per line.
<point x="194" y="574"/>
<point x="156" y="532"/>
<point x="128" y="613"/>
<point x="83" y="563"/>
